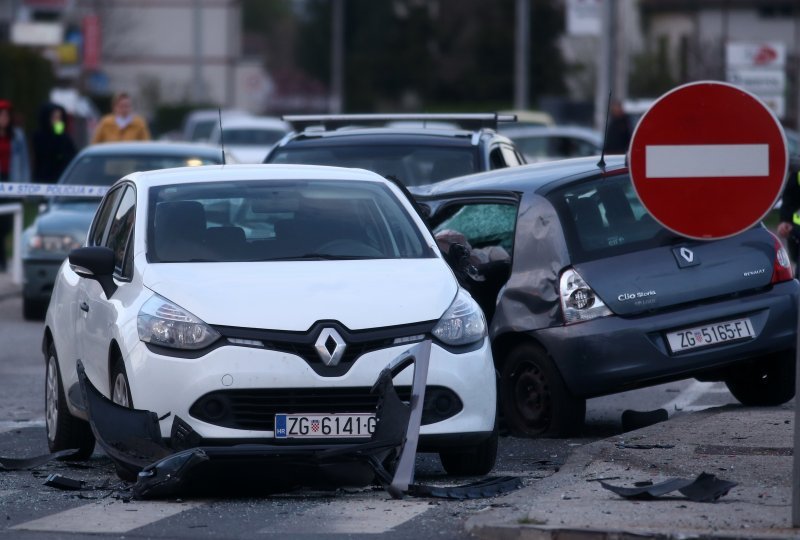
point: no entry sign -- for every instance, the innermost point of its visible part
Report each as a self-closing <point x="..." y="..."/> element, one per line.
<point x="708" y="160"/>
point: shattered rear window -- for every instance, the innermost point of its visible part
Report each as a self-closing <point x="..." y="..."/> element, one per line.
<point x="604" y="217"/>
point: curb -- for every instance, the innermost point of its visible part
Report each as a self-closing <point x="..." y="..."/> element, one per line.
<point x="510" y="521"/>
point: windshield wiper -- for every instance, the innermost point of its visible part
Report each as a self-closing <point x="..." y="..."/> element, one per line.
<point x="320" y="256"/>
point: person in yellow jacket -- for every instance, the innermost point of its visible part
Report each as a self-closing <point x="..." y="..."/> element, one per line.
<point x="121" y="124"/>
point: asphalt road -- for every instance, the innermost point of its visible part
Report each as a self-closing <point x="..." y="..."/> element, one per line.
<point x="29" y="509"/>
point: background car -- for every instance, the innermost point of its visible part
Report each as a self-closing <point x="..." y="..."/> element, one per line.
<point x="249" y="138"/>
<point x="587" y="295"/>
<point x="411" y="155"/>
<point x="63" y="224"/>
<point x="198" y="125"/>
<point x="230" y="296"/>
<point x="550" y="143"/>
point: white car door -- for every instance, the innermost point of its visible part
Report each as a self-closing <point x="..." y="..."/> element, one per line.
<point x="99" y="313"/>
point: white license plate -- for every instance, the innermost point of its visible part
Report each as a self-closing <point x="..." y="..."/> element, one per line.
<point x="314" y="426"/>
<point x="710" y="334"/>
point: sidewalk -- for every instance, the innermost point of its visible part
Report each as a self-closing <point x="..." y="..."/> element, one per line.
<point x="750" y="446"/>
<point x="8" y="289"/>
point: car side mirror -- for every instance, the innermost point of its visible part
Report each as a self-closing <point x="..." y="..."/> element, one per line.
<point x="95" y="263"/>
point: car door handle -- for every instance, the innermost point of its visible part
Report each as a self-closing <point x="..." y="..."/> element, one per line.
<point x="85" y="307"/>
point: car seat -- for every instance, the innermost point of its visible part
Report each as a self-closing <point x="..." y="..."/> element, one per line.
<point x="180" y="231"/>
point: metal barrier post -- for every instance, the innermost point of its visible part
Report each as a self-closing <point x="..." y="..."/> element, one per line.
<point x="16" y="258"/>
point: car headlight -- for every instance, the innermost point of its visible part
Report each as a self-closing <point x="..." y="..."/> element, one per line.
<point x="54" y="243"/>
<point x="161" y="322"/>
<point x="463" y="322"/>
<point x="578" y="301"/>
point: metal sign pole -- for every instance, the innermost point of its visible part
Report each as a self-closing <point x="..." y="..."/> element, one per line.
<point x="796" y="454"/>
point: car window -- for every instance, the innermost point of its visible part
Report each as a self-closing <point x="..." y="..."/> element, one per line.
<point x="604" y="217"/>
<point x="102" y="219"/>
<point x="120" y="230"/>
<point x="483" y="225"/>
<point x="263" y="221"/>
<point x="413" y="165"/>
<point x="496" y="160"/>
<point x="252" y="137"/>
<point x="104" y="170"/>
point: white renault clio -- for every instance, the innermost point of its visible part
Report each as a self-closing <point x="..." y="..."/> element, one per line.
<point x="261" y="303"/>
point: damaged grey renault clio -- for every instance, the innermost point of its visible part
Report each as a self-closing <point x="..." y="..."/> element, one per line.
<point x="587" y="295"/>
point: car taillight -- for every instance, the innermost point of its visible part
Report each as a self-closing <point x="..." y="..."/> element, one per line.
<point x="782" y="266"/>
<point x="578" y="301"/>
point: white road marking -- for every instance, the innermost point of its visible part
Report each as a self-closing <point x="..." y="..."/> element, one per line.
<point x="113" y="518"/>
<point x="8" y="425"/>
<point x="706" y="160"/>
<point x="355" y="516"/>
<point x="689" y="395"/>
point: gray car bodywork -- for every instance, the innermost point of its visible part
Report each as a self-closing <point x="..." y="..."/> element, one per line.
<point x="626" y="349"/>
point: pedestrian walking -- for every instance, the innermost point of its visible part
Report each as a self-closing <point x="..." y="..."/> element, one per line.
<point x="618" y="136"/>
<point x="789" y="225"/>
<point x="53" y="148"/>
<point x="122" y="124"/>
<point x="14" y="166"/>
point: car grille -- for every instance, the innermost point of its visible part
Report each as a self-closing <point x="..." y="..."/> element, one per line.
<point x="302" y="344"/>
<point x="256" y="409"/>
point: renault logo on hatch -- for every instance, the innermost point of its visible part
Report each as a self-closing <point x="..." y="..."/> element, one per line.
<point x="330" y="347"/>
<point x="685" y="257"/>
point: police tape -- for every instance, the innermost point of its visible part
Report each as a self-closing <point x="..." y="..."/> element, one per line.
<point x="18" y="190"/>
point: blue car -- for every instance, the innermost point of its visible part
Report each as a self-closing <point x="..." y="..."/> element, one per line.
<point x="65" y="222"/>
<point x="587" y="295"/>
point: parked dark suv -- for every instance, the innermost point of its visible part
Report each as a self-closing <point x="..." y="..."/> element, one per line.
<point x="411" y="149"/>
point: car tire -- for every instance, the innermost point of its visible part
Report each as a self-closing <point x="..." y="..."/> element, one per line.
<point x="475" y="461"/>
<point x="764" y="383"/>
<point x="120" y="390"/>
<point x="64" y="431"/>
<point x="120" y="387"/>
<point x="534" y="400"/>
<point x="33" y="309"/>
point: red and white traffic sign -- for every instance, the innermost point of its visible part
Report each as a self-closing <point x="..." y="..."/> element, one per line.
<point x="708" y="160"/>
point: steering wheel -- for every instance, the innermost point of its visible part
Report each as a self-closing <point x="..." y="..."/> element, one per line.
<point x="346" y="247"/>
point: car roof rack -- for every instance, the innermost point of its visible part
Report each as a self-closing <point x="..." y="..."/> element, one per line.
<point x="471" y="121"/>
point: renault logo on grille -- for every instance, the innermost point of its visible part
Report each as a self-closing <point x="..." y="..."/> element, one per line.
<point x="330" y="347"/>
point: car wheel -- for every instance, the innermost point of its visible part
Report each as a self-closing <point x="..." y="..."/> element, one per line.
<point x="121" y="395"/>
<point x="767" y="382"/>
<point x="534" y="400"/>
<point x="32" y="309"/>
<point x="120" y="388"/>
<point x="64" y="431"/>
<point x="475" y="461"/>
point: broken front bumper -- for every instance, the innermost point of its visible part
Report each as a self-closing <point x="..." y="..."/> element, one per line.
<point x="132" y="438"/>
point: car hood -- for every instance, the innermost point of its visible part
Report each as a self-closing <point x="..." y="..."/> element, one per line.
<point x="293" y="295"/>
<point x="72" y="219"/>
<point x="683" y="273"/>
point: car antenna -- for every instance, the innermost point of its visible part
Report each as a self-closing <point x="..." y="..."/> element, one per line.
<point x="221" y="136"/>
<point x="602" y="162"/>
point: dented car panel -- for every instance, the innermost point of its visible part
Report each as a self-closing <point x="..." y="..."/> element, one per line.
<point x="597" y="297"/>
